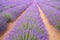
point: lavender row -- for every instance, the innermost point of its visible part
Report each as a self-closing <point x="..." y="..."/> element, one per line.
<point x="6" y="5"/>
<point x="14" y="1"/>
<point x="13" y="13"/>
<point x="3" y="25"/>
<point x="9" y="16"/>
<point x="21" y="2"/>
<point x="52" y="14"/>
<point x="29" y="26"/>
<point x="55" y="5"/>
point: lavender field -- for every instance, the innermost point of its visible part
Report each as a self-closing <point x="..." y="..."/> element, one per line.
<point x="52" y="12"/>
<point x="27" y="21"/>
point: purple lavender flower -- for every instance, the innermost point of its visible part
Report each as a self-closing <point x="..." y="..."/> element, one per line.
<point x="3" y="25"/>
<point x="29" y="26"/>
<point x="27" y="31"/>
<point x="13" y="13"/>
<point x="9" y="11"/>
<point x="52" y="12"/>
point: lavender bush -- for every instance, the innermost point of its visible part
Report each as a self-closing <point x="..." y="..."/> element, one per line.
<point x="3" y="25"/>
<point x="13" y="13"/>
<point x="9" y="12"/>
<point x="5" y="5"/>
<point x="52" y="12"/>
<point x="29" y="26"/>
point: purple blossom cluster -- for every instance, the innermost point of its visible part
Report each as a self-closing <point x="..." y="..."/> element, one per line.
<point x="52" y="12"/>
<point x="3" y="25"/>
<point x="9" y="11"/>
<point x="29" y="26"/>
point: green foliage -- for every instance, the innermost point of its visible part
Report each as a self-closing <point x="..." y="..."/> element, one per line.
<point x="25" y="25"/>
<point x="39" y="29"/>
<point x="58" y="8"/>
<point x="58" y="25"/>
<point x="9" y="17"/>
<point x="33" y="38"/>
